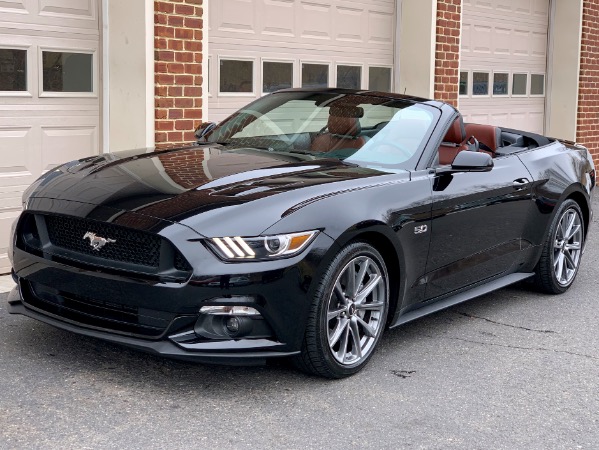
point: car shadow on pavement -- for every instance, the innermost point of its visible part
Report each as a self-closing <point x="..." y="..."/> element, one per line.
<point x="60" y="351"/>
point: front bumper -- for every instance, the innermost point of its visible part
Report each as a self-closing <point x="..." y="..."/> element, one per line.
<point x="279" y="290"/>
<point x="254" y="353"/>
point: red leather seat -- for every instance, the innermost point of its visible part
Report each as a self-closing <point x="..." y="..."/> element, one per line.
<point x="453" y="142"/>
<point x="487" y="135"/>
<point x="342" y="132"/>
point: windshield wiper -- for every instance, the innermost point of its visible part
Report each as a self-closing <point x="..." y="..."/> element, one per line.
<point x="301" y="152"/>
<point x="224" y="144"/>
<point x="239" y="145"/>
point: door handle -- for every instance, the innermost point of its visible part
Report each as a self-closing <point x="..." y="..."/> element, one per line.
<point x="520" y="184"/>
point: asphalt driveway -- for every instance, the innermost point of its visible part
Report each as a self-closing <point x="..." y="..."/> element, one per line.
<point x="513" y="369"/>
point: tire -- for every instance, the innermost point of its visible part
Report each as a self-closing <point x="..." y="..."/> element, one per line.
<point x="562" y="250"/>
<point x="345" y="324"/>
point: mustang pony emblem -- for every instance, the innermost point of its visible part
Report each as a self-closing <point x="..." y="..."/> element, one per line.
<point x="97" y="242"/>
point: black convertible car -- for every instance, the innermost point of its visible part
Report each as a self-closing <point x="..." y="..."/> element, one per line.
<point x="301" y="226"/>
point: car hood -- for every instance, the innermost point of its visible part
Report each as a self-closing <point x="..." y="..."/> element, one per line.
<point x="211" y="190"/>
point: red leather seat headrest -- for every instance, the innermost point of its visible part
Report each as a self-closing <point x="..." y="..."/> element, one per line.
<point x="488" y="135"/>
<point x="344" y="126"/>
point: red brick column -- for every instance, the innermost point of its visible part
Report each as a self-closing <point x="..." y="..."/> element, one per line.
<point x="447" y="54"/>
<point x="178" y="28"/>
<point x="588" y="95"/>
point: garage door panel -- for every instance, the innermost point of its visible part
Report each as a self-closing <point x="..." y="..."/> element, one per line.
<point x="484" y="4"/>
<point x="39" y="131"/>
<point x="280" y="21"/>
<point x="483" y="34"/>
<point x="537" y="118"/>
<point x="523" y="6"/>
<point x="61" y="144"/>
<point x="507" y="37"/>
<point x="502" y="41"/>
<point x="539" y="44"/>
<point x="235" y="15"/>
<point x="13" y="6"/>
<point x="16" y="150"/>
<point x="523" y="114"/>
<point x="68" y="8"/>
<point x="381" y="27"/>
<point x="350" y="26"/>
<point x="43" y="14"/>
<point x="541" y="8"/>
<point x="498" y="118"/>
<point x="521" y="43"/>
<point x="330" y="32"/>
<point x="316" y="21"/>
<point x="466" y="39"/>
<point x="504" y="5"/>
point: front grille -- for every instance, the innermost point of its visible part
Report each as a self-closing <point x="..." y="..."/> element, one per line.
<point x="130" y="246"/>
<point x="95" y="313"/>
<point x="125" y="249"/>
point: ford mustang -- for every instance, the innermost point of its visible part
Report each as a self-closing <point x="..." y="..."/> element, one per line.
<point x="302" y="226"/>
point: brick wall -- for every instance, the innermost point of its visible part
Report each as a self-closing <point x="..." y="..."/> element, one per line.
<point x="588" y="96"/>
<point x="178" y="65"/>
<point x="447" y="53"/>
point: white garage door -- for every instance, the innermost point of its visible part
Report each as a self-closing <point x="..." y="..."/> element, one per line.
<point x="503" y="62"/>
<point x="49" y="94"/>
<point x="259" y="46"/>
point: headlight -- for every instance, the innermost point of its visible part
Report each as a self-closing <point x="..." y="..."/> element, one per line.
<point x="261" y="248"/>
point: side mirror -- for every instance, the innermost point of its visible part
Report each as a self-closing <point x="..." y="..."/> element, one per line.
<point x="466" y="161"/>
<point x="203" y="129"/>
<point x="472" y="162"/>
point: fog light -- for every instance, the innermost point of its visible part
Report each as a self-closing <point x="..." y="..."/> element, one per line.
<point x="232" y="325"/>
<point x="237" y="310"/>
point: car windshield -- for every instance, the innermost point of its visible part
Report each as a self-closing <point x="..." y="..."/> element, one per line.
<point x="366" y="130"/>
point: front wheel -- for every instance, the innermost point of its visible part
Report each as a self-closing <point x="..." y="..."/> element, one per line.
<point x="562" y="250"/>
<point x="348" y="313"/>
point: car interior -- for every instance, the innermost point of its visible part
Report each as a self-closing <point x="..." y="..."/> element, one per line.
<point x="343" y="130"/>
<point x="485" y="138"/>
<point x="347" y="130"/>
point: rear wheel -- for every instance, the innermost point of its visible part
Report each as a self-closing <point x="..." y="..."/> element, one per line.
<point x="562" y="250"/>
<point x="348" y="313"/>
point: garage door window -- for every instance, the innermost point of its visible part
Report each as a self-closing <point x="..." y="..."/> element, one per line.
<point x="480" y="83"/>
<point x="379" y="79"/>
<point x="519" y="84"/>
<point x="276" y="75"/>
<point x="500" y="84"/>
<point x="537" y="84"/>
<point x="349" y="77"/>
<point x="236" y="76"/>
<point x="208" y="77"/>
<point x="13" y="70"/>
<point x="464" y="78"/>
<point x="67" y="72"/>
<point x="315" y="75"/>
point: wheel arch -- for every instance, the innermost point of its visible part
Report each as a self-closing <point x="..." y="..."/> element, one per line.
<point x="384" y="240"/>
<point x="583" y="203"/>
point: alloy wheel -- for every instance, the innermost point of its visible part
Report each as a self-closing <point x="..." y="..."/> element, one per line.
<point x="356" y="310"/>
<point x="567" y="248"/>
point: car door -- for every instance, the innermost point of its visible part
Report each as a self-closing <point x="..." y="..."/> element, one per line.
<point x="477" y="223"/>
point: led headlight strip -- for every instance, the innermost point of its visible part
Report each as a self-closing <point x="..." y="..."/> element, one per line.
<point x="234" y="247"/>
<point x="262" y="247"/>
